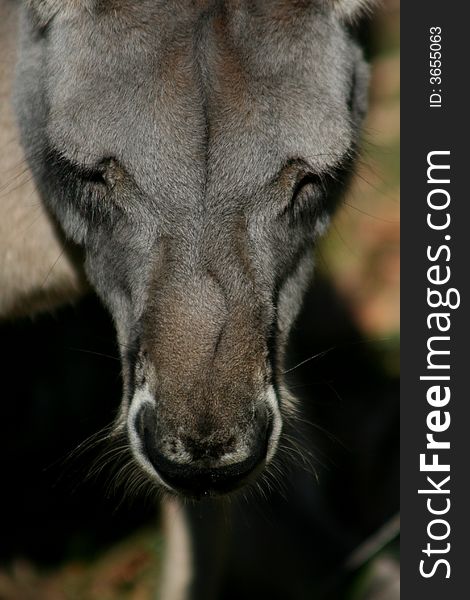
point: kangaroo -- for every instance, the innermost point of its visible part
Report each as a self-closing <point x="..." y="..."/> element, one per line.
<point x="192" y="152"/>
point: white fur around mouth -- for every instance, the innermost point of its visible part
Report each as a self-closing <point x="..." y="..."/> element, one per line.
<point x="141" y="398"/>
<point x="273" y="405"/>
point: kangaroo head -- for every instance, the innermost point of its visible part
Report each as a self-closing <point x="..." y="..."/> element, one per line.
<point x="195" y="150"/>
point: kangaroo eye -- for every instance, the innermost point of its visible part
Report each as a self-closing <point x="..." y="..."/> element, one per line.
<point x="305" y="195"/>
<point x="306" y="188"/>
<point x="104" y="173"/>
<point x="95" y="175"/>
<point x="66" y="169"/>
<point x="305" y="199"/>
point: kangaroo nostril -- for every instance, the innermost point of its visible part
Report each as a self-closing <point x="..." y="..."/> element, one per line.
<point x="208" y="449"/>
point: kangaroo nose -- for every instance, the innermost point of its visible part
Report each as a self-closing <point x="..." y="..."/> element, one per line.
<point x="196" y="466"/>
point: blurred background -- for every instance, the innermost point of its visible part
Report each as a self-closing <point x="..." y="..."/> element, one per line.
<point x="332" y="531"/>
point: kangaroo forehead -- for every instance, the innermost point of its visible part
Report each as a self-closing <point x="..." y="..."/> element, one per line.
<point x="198" y="95"/>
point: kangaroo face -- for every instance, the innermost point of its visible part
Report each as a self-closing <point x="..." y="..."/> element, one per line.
<point x="195" y="150"/>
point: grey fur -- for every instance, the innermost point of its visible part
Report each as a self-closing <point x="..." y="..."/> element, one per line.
<point x="168" y="139"/>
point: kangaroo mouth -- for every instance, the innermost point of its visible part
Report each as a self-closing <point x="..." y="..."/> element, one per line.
<point x="200" y="481"/>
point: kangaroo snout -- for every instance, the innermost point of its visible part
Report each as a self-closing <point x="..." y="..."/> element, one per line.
<point x="204" y="417"/>
<point x="200" y="462"/>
